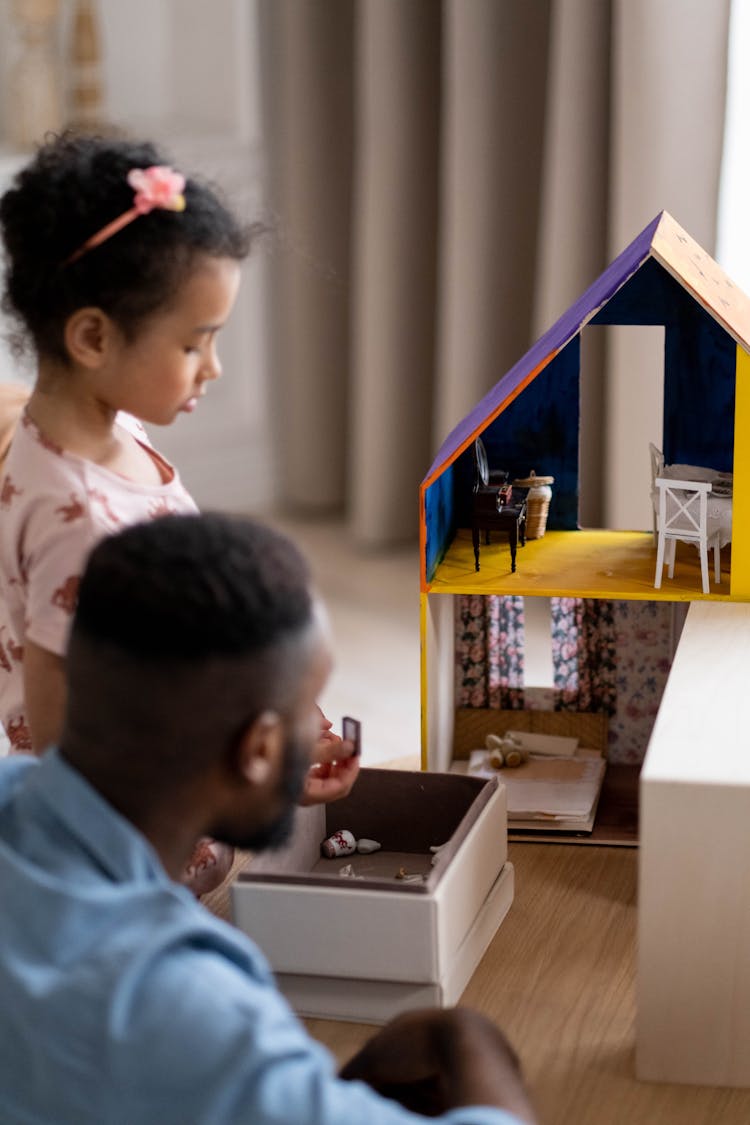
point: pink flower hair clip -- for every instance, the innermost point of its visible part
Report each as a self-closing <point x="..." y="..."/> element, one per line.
<point x="156" y="187"/>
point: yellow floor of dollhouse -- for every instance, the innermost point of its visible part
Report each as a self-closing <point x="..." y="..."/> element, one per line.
<point x="583" y="564"/>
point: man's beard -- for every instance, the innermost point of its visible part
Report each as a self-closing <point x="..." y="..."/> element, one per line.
<point x="277" y="832"/>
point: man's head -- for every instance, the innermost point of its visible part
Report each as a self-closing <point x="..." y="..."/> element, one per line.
<point x="195" y="661"/>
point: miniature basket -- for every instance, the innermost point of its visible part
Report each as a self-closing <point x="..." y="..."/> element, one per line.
<point x="537" y="503"/>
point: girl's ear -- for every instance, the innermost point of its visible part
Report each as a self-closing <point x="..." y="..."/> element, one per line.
<point x="88" y="334"/>
<point x="261" y="749"/>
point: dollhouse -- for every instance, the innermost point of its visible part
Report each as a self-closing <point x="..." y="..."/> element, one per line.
<point x="693" y="909"/>
<point x="530" y="419"/>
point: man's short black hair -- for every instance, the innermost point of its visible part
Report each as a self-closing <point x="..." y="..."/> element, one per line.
<point x="193" y="587"/>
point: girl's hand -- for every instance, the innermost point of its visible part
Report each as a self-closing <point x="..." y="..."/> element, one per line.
<point x="334" y="770"/>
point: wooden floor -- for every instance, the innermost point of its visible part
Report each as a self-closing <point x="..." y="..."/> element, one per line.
<point x="585" y="564"/>
<point x="559" y="977"/>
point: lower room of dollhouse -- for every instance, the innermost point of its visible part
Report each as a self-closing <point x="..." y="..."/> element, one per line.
<point x="585" y="713"/>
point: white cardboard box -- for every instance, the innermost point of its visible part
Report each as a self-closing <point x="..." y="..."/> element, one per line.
<point x="364" y="949"/>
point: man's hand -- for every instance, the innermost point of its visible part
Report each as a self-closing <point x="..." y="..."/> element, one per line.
<point x="432" y="1061"/>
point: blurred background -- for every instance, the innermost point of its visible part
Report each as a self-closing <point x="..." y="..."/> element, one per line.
<point x="440" y="179"/>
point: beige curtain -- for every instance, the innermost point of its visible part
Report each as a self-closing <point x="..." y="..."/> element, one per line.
<point x="446" y="179"/>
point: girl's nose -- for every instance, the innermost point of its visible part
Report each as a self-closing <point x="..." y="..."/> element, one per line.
<point x="325" y="723"/>
<point x="212" y="366"/>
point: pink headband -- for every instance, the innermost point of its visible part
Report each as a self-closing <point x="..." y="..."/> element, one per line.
<point x="157" y="186"/>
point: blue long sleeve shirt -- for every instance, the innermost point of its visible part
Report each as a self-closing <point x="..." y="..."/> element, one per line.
<point x="123" y="1001"/>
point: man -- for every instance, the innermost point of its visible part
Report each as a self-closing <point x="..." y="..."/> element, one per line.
<point x="195" y="662"/>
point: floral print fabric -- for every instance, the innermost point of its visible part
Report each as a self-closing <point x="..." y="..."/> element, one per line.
<point x="584" y="655"/>
<point x="489" y="651"/>
<point x="608" y="656"/>
<point x="55" y="506"/>
<point x="645" y="640"/>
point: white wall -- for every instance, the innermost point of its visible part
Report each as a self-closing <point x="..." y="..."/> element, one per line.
<point x="634" y="413"/>
<point x="733" y="237"/>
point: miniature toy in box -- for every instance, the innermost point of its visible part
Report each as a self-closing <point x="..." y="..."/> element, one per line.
<point x="406" y="925"/>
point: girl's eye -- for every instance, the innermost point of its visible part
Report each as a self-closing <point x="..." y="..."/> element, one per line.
<point x="191" y="351"/>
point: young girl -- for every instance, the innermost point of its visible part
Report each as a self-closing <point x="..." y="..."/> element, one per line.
<point x="120" y="274"/>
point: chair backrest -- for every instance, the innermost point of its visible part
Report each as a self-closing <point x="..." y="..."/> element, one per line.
<point x="481" y="464"/>
<point x="683" y="508"/>
<point x="657" y="462"/>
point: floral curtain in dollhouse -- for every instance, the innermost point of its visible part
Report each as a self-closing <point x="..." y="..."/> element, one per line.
<point x="584" y="654"/>
<point x="489" y="652"/>
<point x="611" y="657"/>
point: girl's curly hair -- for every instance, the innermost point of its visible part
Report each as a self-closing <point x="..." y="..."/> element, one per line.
<point x="73" y="187"/>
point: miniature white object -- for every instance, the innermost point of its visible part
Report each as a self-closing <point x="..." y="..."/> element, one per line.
<point x="339" y="843"/>
<point x="348" y="872"/>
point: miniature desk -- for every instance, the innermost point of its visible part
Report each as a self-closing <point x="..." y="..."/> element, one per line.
<point x="490" y="515"/>
<point x="559" y="977"/>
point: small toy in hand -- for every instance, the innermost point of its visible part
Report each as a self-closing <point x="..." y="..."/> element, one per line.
<point x="505" y="751"/>
<point x="352" y="732"/>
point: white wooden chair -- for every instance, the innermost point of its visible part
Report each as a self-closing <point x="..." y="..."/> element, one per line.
<point x="657" y="467"/>
<point x="683" y="514"/>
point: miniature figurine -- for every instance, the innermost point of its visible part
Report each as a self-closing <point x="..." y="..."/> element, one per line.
<point x="505" y="751"/>
<point x="405" y="876"/>
<point x="339" y="843"/>
<point x="343" y="843"/>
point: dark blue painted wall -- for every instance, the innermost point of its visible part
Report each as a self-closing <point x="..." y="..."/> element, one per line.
<point x="440" y="520"/>
<point x="699" y="389"/>
<point x="539" y="431"/>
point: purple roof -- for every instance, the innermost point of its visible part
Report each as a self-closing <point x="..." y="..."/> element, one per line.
<point x="555" y="338"/>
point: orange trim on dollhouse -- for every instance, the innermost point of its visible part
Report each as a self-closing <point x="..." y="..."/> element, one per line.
<point x="489" y="419"/>
<point x="424" y="585"/>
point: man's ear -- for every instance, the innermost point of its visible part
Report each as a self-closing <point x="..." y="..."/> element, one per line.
<point x="87" y="336"/>
<point x="261" y="748"/>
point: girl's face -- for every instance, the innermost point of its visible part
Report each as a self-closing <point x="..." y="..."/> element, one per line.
<point x="166" y="368"/>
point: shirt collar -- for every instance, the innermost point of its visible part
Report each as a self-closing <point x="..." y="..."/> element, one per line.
<point x="115" y="844"/>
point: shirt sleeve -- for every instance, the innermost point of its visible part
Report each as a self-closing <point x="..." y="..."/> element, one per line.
<point x="237" y="1055"/>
